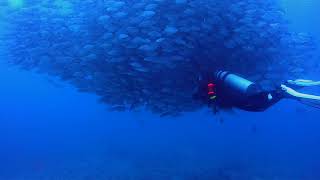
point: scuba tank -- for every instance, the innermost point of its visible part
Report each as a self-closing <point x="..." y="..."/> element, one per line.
<point x="235" y="86"/>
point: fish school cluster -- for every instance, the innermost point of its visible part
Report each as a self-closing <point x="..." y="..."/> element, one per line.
<point x="151" y="53"/>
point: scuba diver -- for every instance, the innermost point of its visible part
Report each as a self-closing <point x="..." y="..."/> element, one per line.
<point x="224" y="90"/>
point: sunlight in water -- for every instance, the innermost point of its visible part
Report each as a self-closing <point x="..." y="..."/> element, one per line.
<point x="64" y="7"/>
<point x="15" y="3"/>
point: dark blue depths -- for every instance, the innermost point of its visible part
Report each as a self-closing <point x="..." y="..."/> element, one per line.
<point x="133" y="55"/>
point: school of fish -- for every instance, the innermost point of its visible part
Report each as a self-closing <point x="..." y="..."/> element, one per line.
<point x="151" y="53"/>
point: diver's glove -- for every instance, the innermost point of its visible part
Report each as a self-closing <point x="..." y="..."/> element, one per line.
<point x="299" y="95"/>
<point x="303" y="82"/>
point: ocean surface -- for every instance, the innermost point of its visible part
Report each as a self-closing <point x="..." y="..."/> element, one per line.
<point x="51" y="131"/>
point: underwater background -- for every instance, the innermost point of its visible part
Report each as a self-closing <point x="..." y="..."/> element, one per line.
<point x="51" y="129"/>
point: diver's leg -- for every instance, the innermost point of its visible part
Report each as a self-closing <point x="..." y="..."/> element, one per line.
<point x="298" y="95"/>
<point x="303" y="82"/>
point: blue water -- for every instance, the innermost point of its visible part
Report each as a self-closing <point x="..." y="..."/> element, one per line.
<point x="48" y="130"/>
<point x="303" y="15"/>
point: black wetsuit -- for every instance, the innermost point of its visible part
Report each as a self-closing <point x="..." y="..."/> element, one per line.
<point x="255" y="99"/>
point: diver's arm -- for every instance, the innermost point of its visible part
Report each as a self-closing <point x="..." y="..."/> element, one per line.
<point x="299" y="95"/>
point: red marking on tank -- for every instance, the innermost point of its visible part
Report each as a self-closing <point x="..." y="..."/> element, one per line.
<point x="211" y="88"/>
